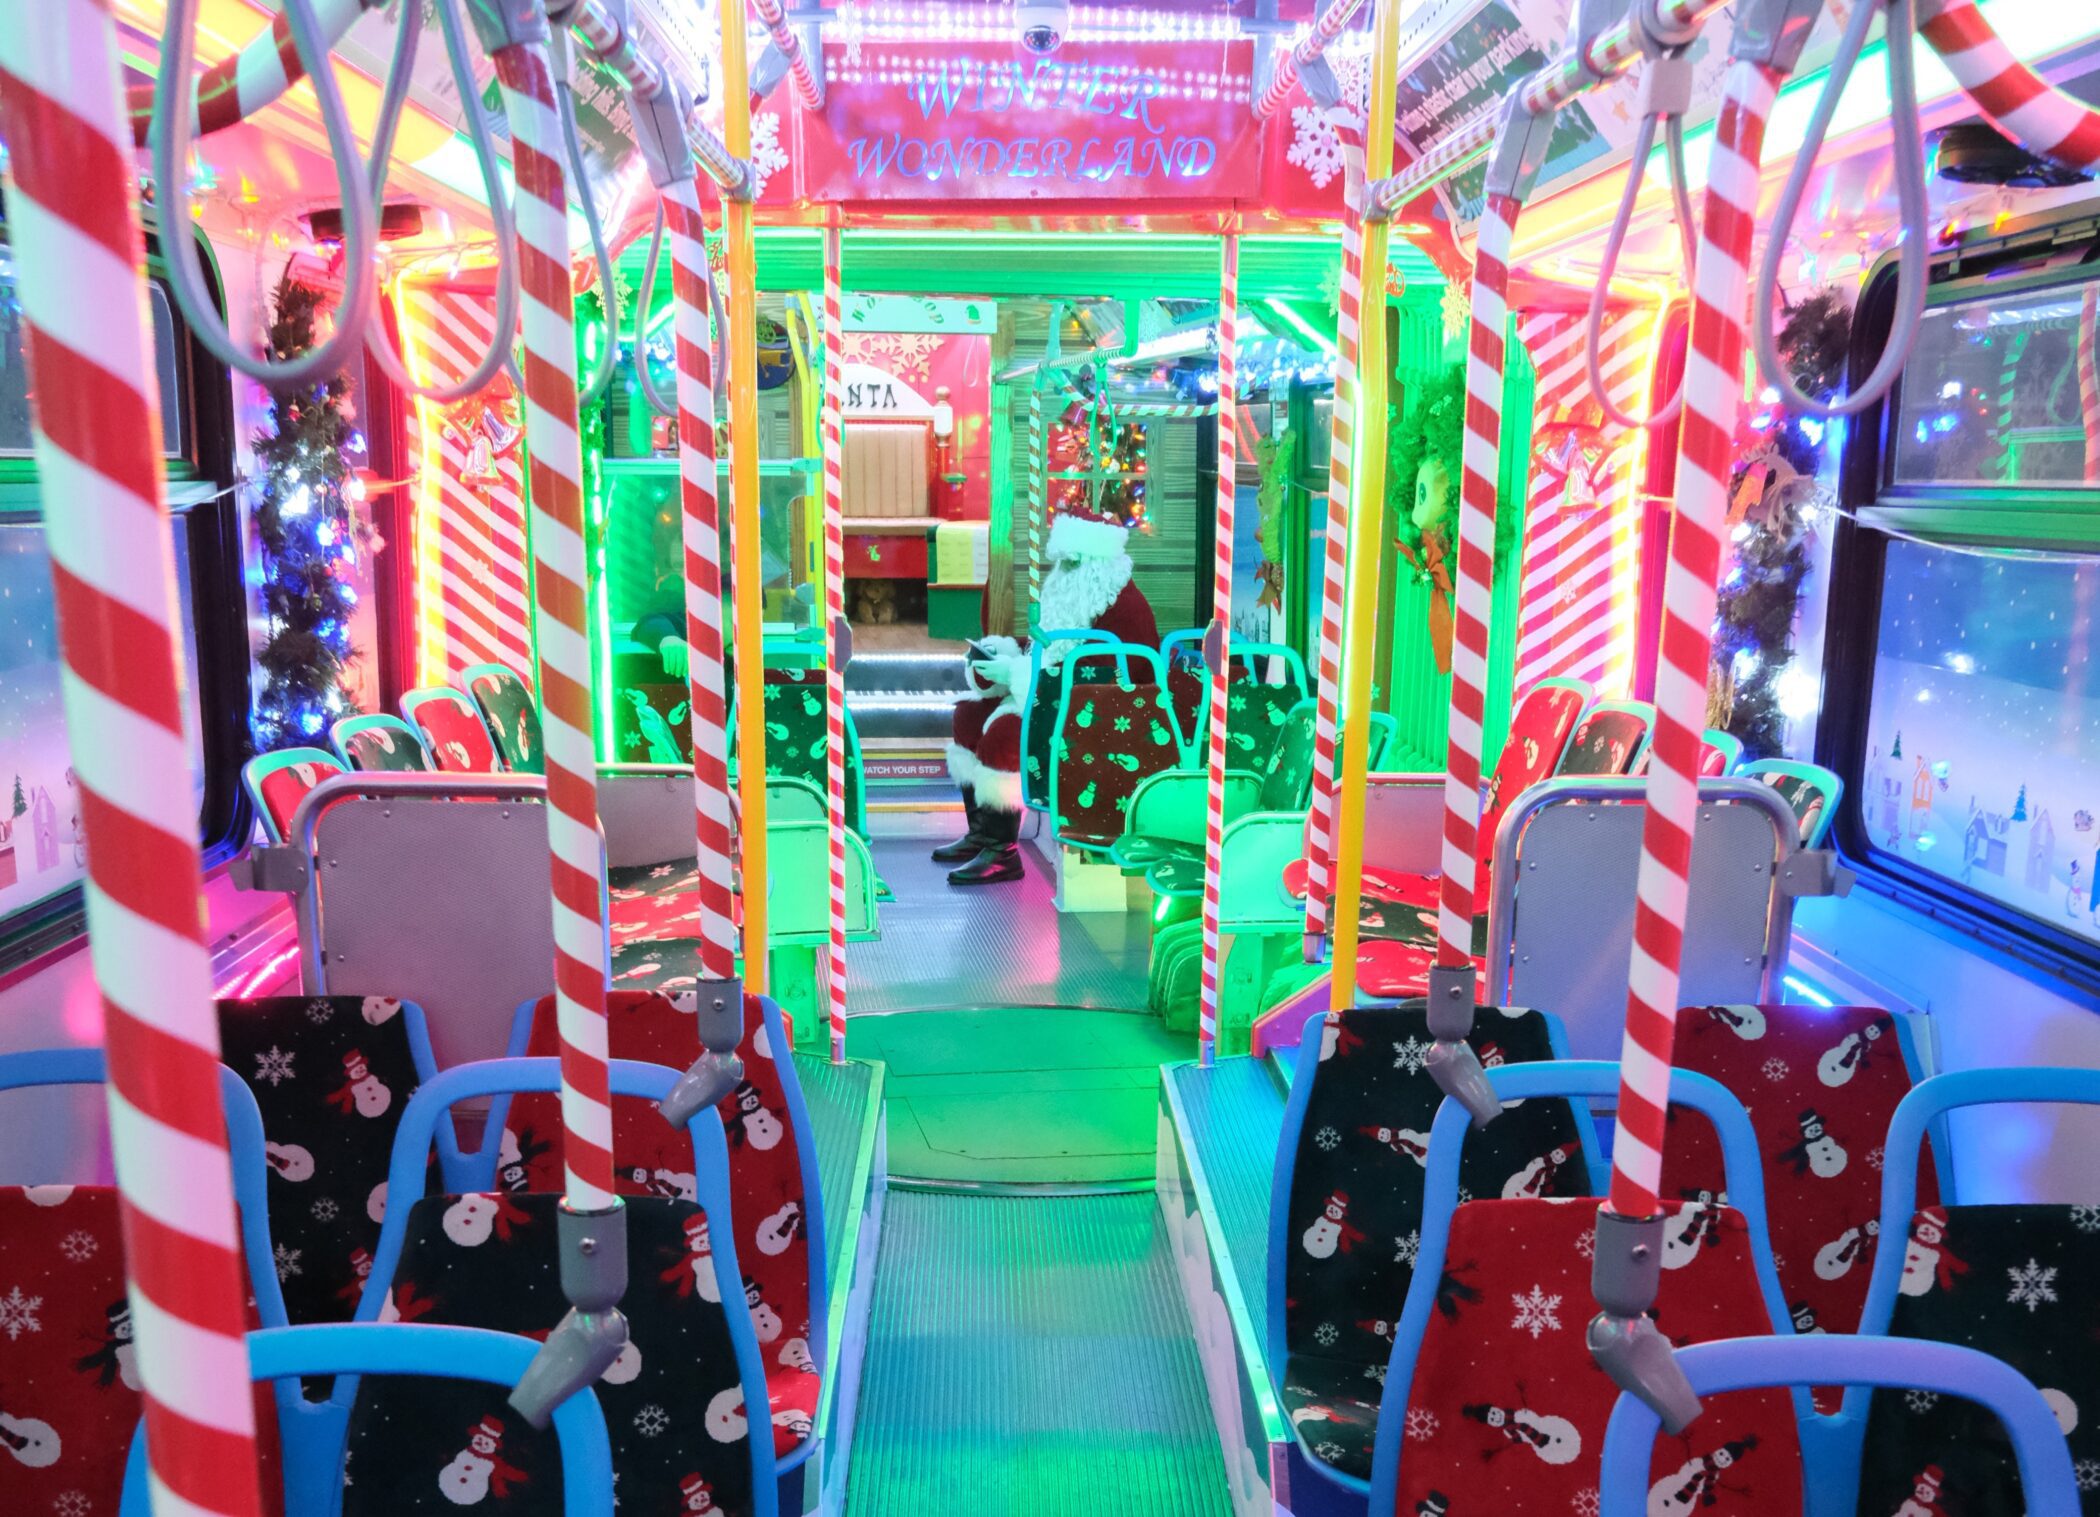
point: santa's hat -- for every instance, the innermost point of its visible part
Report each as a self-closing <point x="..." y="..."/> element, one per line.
<point x="1082" y="529"/>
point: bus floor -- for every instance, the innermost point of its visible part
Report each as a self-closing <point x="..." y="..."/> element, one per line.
<point x="1029" y="1356"/>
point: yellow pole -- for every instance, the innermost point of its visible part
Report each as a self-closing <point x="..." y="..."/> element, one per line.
<point x="746" y="587"/>
<point x="1366" y="519"/>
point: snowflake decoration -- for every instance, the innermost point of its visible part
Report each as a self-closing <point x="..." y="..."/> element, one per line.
<point x="1536" y="1312"/>
<point x="2088" y="1473"/>
<point x="1406" y="1250"/>
<point x="319" y="1010"/>
<point x="1412" y="1055"/>
<point x="18" y="1314"/>
<point x="1315" y="146"/>
<point x="1876" y="1158"/>
<point x="1421" y="1424"/>
<point x="1921" y="1401"/>
<point x="1464" y="1195"/>
<point x="1330" y="1451"/>
<point x="1775" y="1070"/>
<point x="1586" y="1503"/>
<point x="1326" y="1334"/>
<point x="1375" y="1372"/>
<point x="324" y="1209"/>
<point x="273" y="1066"/>
<point x="78" y="1247"/>
<point x="288" y="1262"/>
<point x="767" y="158"/>
<point x="72" y="1504"/>
<point x="651" y="1420"/>
<point x="1457" y="307"/>
<point x="2032" y="1285"/>
<point x="1122" y="724"/>
<point x="1328" y="1139"/>
<point x="2086" y="1218"/>
<point x="1586" y="1245"/>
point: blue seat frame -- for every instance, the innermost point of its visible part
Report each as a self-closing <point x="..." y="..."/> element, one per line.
<point x="496" y="1077"/>
<point x="1572" y="1078"/>
<point x="315" y="1434"/>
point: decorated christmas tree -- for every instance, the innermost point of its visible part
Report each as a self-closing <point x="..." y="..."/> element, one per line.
<point x="307" y="521"/>
<point x="2019" y="812"/>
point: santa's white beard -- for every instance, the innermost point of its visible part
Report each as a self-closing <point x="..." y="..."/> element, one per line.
<point x="1075" y="594"/>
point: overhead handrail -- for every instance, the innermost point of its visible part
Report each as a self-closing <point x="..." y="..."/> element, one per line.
<point x="608" y="36"/>
<point x="1339" y="14"/>
<point x="1666" y="94"/>
<point x="1217" y="641"/>
<point x="503" y="227"/>
<point x="651" y="396"/>
<point x="235" y="88"/>
<point x="608" y="284"/>
<point x="78" y="247"/>
<point x="1907" y="148"/>
<point x="171" y="138"/>
<point x="2026" y="107"/>
<point x="809" y="89"/>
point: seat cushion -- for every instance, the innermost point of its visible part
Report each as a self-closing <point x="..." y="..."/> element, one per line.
<point x="1506" y="1409"/>
<point x="2017" y="1283"/>
<point x="1333" y="1405"/>
<point x="1396" y="922"/>
<point x="673" y="1402"/>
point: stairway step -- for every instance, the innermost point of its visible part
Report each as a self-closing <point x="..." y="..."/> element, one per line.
<point x="899" y="672"/>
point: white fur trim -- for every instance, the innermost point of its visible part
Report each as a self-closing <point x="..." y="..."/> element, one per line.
<point x="1079" y="537"/>
<point x="962" y="764"/>
<point x="1078" y="596"/>
<point x="999" y="789"/>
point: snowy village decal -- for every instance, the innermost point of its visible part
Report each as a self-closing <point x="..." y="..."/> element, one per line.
<point x="41" y="847"/>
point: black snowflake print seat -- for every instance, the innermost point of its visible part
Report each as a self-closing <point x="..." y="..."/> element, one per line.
<point x="1349" y="1184"/>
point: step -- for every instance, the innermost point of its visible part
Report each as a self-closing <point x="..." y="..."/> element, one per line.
<point x="905" y="674"/>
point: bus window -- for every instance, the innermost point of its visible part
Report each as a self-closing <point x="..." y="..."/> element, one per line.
<point x="16" y="440"/>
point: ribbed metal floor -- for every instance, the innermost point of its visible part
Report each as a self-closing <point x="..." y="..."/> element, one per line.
<point x="1030" y="1357"/>
<point x="837" y="1096"/>
<point x="1234" y="1112"/>
<point x="990" y="945"/>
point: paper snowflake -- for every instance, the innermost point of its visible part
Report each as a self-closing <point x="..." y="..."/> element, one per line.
<point x="18" y="1314"/>
<point x="1315" y="146"/>
<point x="288" y="1262"/>
<point x="651" y="1420"/>
<point x="273" y="1066"/>
<point x="2032" y="1285"/>
<point x="1536" y="1312"/>
<point x="78" y="1247"/>
<point x="767" y="157"/>
<point x="1421" y="1424"/>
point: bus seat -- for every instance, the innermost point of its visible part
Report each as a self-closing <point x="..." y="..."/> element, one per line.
<point x="1111" y="734"/>
<point x="773" y="1177"/>
<point x="1168" y="810"/>
<point x="1255" y="706"/>
<point x="1811" y="790"/>
<point x="676" y="1401"/>
<point x="452" y="729"/>
<point x="1041" y="704"/>
<point x="382" y="742"/>
<point x="2011" y="1280"/>
<point x="1612" y="738"/>
<point x="278" y="782"/>
<point x="1719" y="753"/>
<point x="798" y="738"/>
<point x="1345" y="1207"/>
<point x="510" y="713"/>
<point x="1493" y="1401"/>
<point x="1820" y="1085"/>
<point x="70" y="1397"/>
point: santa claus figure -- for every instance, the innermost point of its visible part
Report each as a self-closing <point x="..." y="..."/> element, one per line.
<point x="1087" y="585"/>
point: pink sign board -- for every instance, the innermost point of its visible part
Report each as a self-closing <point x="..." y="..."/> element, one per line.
<point x="918" y="121"/>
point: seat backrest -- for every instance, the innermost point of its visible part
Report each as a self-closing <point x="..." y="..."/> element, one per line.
<point x="1538" y="736"/>
<point x="510" y="713"/>
<point x="1493" y="1400"/>
<point x="678" y="1401"/>
<point x="798" y="738"/>
<point x="452" y="729"/>
<point x="1041" y="703"/>
<point x="1719" y="753"/>
<point x="1610" y="739"/>
<point x="331" y="1076"/>
<point x="278" y="782"/>
<point x="2010" y="1280"/>
<point x="1110" y="736"/>
<point x="1287" y="775"/>
<point x="1810" y="789"/>
<point x="1820" y="1085"/>
<point x="1346" y="1204"/>
<point x="383" y="742"/>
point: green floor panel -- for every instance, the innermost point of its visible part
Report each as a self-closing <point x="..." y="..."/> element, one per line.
<point x="1030" y="1357"/>
<point x="1020" y="1095"/>
<point x="1234" y="1115"/>
<point x="837" y="1096"/>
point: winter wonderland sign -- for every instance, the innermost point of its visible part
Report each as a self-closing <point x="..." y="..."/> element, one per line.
<point x="1151" y="120"/>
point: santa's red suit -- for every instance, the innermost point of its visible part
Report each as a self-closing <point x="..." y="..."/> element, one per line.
<point x="1088" y="585"/>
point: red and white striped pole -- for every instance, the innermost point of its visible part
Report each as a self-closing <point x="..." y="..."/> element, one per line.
<point x="1038" y="484"/>
<point x="1337" y="15"/>
<point x="1334" y="566"/>
<point x="699" y="489"/>
<point x="809" y="89"/>
<point x="79" y="256"/>
<point x="2030" y="110"/>
<point x="1162" y="410"/>
<point x="559" y="578"/>
<point x="235" y="88"/>
<point x="1217" y="650"/>
<point x="834" y="445"/>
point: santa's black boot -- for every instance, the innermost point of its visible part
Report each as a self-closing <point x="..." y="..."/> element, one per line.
<point x="1000" y="858"/>
<point x="972" y="842"/>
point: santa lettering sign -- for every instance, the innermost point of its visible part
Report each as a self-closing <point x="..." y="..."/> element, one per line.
<point x="909" y="121"/>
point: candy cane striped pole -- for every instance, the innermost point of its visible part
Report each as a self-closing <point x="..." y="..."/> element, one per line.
<point x="1218" y="648"/>
<point x="79" y="252"/>
<point x="809" y="89"/>
<point x="558" y="565"/>
<point x="698" y="489"/>
<point x="1038" y="487"/>
<point x="1162" y="410"/>
<point x="1337" y="15"/>
<point x="235" y="88"/>
<point x="2089" y="379"/>
<point x="1334" y="568"/>
<point x="1713" y="390"/>
<point x="2031" y="111"/>
<point x="834" y="620"/>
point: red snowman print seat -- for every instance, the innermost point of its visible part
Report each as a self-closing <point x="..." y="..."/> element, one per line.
<point x="452" y="729"/>
<point x="280" y="781"/>
<point x="774" y="1194"/>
